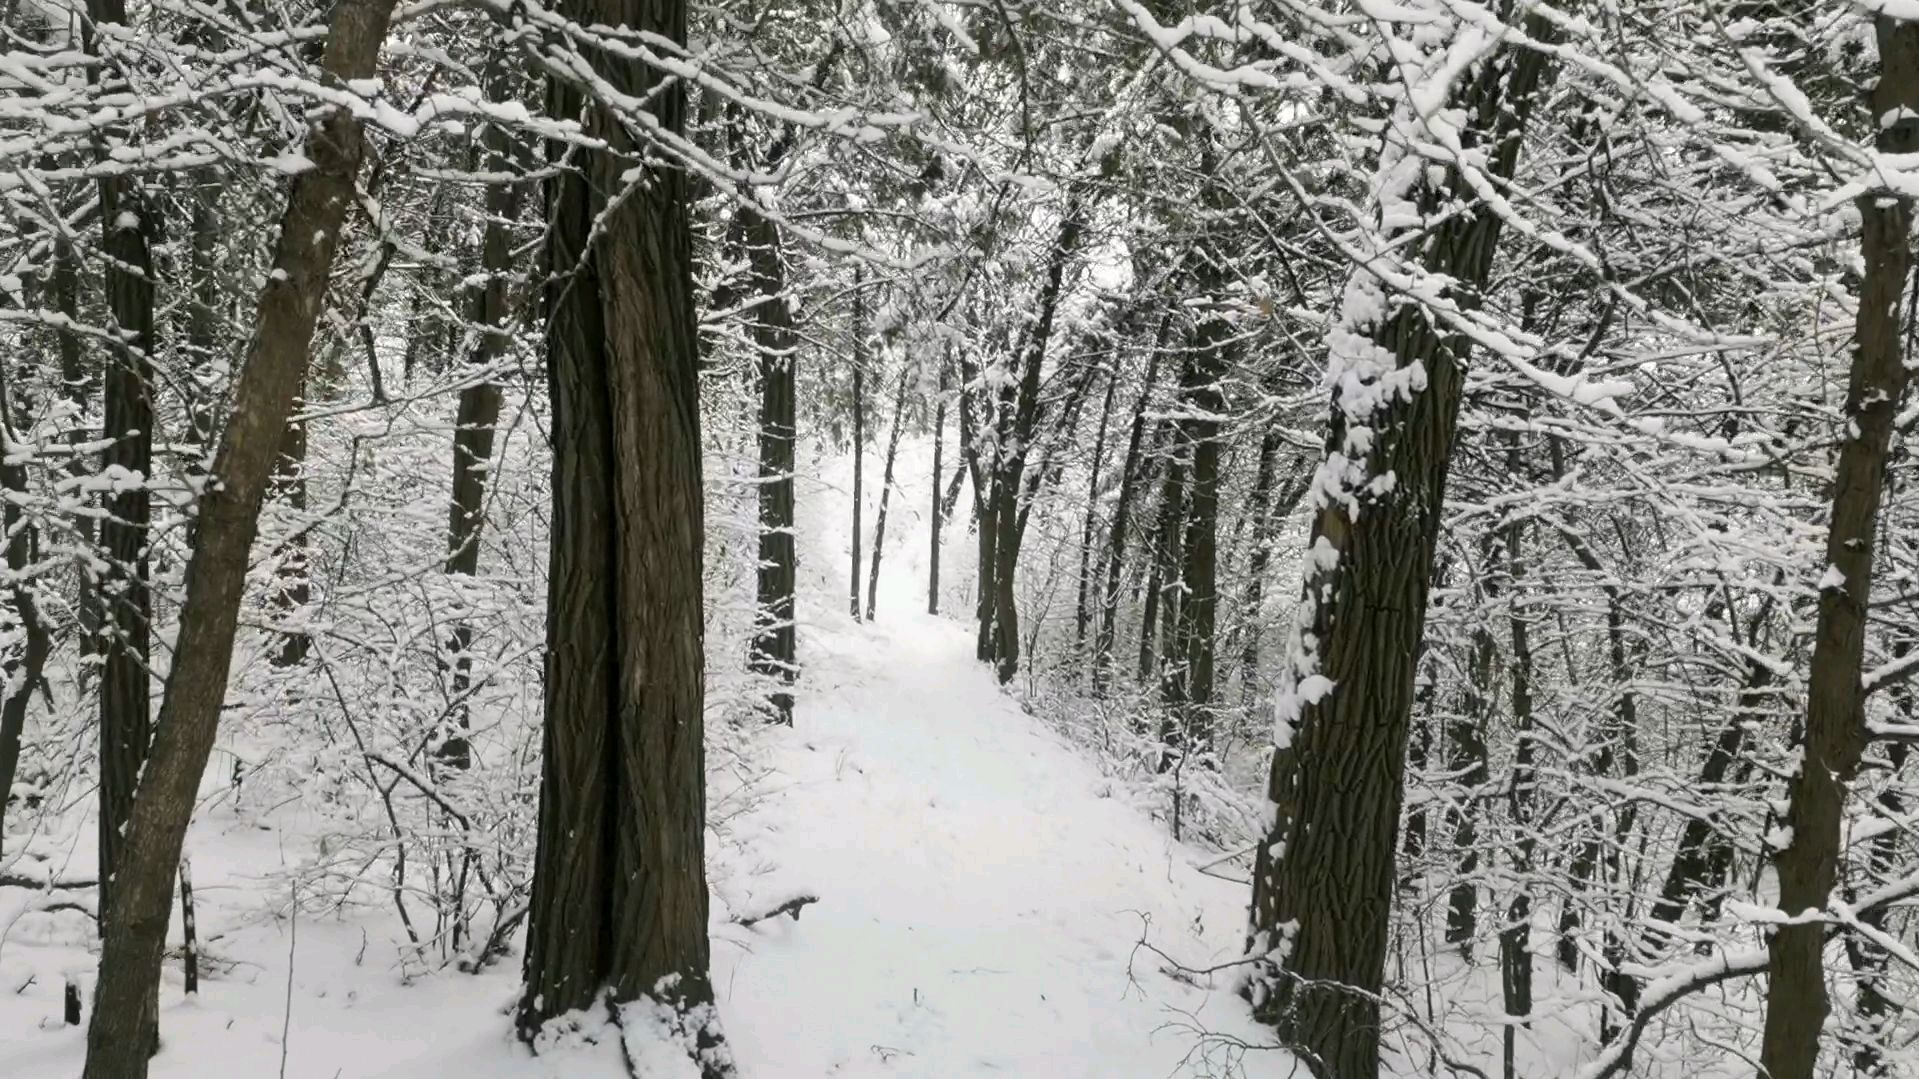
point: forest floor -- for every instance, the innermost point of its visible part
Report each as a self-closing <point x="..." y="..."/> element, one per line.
<point x="982" y="897"/>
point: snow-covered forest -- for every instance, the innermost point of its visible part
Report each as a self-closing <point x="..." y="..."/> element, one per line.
<point x="735" y="539"/>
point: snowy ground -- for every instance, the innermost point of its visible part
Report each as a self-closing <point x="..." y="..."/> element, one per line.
<point x="981" y="899"/>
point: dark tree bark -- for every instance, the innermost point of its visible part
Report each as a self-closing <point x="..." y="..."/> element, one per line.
<point x="290" y="301"/>
<point x="1323" y="879"/>
<point x="1189" y="689"/>
<point x="24" y="671"/>
<point x="478" y="412"/>
<point x="775" y="647"/>
<point x="1515" y="936"/>
<point x="293" y="585"/>
<point x="77" y="382"/>
<point x="125" y="687"/>
<point x="1797" y="1003"/>
<point x="619" y="905"/>
<point x="1466" y="757"/>
<point x="886" y="490"/>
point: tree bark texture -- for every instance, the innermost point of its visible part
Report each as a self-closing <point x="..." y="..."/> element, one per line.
<point x="1323" y="880"/>
<point x="1797" y="1002"/>
<point x="277" y="354"/>
<point x="619" y="905"/>
<point x="775" y="649"/>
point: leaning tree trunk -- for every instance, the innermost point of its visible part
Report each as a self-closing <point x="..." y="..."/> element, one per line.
<point x="775" y="651"/>
<point x="1797" y="1003"/>
<point x="1323" y="879"/>
<point x="886" y="490"/>
<point x="290" y="301"/>
<point x="619" y="905"/>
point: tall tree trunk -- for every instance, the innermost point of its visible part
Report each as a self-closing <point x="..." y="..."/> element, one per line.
<point x="478" y="413"/>
<point x="1515" y="937"/>
<point x="1190" y="689"/>
<point x="77" y="386"/>
<point x="859" y="433"/>
<point x="1082" y="610"/>
<point x="1018" y="420"/>
<point x="1129" y="479"/>
<point x="290" y="301"/>
<point x="1323" y="879"/>
<point x="1165" y="554"/>
<point x="24" y="671"/>
<point x="619" y="905"/>
<point x="1796" y="1003"/>
<point x="125" y="690"/>
<point x="936" y="513"/>
<point x="125" y="686"/>
<point x="1467" y="759"/>
<point x="775" y="650"/>
<point x="886" y="490"/>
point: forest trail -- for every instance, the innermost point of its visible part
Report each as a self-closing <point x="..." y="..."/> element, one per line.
<point x="981" y="895"/>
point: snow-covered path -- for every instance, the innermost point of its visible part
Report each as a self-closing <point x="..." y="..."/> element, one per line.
<point x="980" y="899"/>
<point x="980" y="895"/>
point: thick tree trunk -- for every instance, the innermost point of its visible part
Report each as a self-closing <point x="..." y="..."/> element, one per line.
<point x="1796" y="1003"/>
<point x="1189" y="690"/>
<point x="125" y="687"/>
<point x="290" y="301"/>
<point x="775" y="649"/>
<point x="619" y="905"/>
<point x="886" y="490"/>
<point x="1323" y="879"/>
